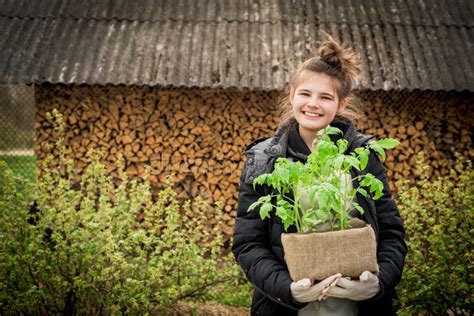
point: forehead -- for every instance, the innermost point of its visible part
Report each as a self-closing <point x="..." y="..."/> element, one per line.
<point x="317" y="82"/>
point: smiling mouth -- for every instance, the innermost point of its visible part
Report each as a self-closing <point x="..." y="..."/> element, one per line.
<point x="311" y="114"/>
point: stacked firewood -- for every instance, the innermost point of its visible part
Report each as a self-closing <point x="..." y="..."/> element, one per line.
<point x="436" y="125"/>
<point x="199" y="134"/>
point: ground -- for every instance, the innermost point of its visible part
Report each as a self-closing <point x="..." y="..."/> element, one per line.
<point x="209" y="309"/>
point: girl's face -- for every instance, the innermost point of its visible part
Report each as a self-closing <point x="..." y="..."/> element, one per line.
<point x="315" y="101"/>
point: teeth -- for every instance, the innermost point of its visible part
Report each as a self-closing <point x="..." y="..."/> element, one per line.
<point x="311" y="114"/>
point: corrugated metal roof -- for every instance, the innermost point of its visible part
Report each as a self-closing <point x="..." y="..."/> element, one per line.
<point x="255" y="44"/>
<point x="421" y="12"/>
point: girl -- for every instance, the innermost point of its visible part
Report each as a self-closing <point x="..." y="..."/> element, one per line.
<point x="319" y="96"/>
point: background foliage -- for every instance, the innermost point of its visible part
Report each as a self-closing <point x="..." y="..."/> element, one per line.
<point x="92" y="248"/>
<point x="438" y="276"/>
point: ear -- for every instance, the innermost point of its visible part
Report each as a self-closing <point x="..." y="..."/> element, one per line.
<point x="342" y="105"/>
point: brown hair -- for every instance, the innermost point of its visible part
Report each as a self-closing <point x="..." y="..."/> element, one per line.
<point x="337" y="61"/>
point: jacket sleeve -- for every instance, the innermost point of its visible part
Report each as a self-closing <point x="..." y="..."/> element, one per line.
<point x="252" y="249"/>
<point x="391" y="248"/>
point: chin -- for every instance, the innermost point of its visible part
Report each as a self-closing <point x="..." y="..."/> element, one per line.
<point x="313" y="126"/>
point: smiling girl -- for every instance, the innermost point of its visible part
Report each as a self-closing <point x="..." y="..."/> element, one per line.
<point x="319" y="95"/>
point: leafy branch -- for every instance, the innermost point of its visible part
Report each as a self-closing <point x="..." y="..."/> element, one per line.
<point x="319" y="191"/>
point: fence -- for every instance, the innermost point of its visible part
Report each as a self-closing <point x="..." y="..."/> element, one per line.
<point x="17" y="128"/>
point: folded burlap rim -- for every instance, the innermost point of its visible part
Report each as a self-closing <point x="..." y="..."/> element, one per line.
<point x="322" y="254"/>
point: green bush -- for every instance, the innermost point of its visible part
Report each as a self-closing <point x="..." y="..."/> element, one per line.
<point x="22" y="165"/>
<point x="96" y="248"/>
<point x="237" y="292"/>
<point x="438" y="216"/>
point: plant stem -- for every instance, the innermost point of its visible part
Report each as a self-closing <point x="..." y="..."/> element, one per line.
<point x="296" y="209"/>
<point x="344" y="201"/>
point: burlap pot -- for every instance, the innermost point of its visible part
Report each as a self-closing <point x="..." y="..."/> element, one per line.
<point x="319" y="255"/>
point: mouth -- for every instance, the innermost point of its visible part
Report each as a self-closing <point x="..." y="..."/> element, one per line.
<point x="311" y="114"/>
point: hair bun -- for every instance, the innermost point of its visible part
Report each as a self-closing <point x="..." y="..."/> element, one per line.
<point x="339" y="56"/>
<point x="330" y="52"/>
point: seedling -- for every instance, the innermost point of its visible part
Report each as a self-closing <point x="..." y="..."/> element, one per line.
<point x="322" y="179"/>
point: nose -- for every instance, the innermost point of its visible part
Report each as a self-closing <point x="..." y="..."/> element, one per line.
<point x="314" y="102"/>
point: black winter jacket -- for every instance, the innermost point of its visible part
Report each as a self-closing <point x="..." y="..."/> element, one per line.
<point x="257" y="243"/>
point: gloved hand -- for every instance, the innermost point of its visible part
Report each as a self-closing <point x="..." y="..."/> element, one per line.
<point x="303" y="292"/>
<point x="366" y="287"/>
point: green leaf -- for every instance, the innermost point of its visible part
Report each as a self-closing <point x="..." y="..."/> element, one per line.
<point x="376" y="186"/>
<point x="287" y="223"/>
<point x="294" y="171"/>
<point x="364" y="158"/>
<point x="366" y="180"/>
<point x="321" y="215"/>
<point x="342" y="145"/>
<point x="282" y="213"/>
<point x="260" y="180"/>
<point x="282" y="202"/>
<point x="254" y="205"/>
<point x="309" y="218"/>
<point x="271" y="182"/>
<point x="312" y="195"/>
<point x="335" y="202"/>
<point x="265" y="210"/>
<point x="282" y="175"/>
<point x="362" y="191"/>
<point x="331" y="130"/>
<point x="354" y="162"/>
<point x="358" y="207"/>
<point x="325" y="150"/>
<point x="281" y="161"/>
<point x="343" y="221"/>
<point x="378" y="149"/>
<point x="323" y="198"/>
<point x="387" y="143"/>
<point x="338" y="162"/>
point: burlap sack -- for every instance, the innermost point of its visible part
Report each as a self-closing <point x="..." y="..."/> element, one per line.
<point x="319" y="255"/>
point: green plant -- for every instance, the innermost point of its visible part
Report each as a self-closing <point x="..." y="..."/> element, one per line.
<point x="22" y="165"/>
<point x="438" y="214"/>
<point x="97" y="248"/>
<point x="236" y="292"/>
<point x="323" y="179"/>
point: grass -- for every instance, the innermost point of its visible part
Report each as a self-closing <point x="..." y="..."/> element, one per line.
<point x="236" y="293"/>
<point x="22" y="165"/>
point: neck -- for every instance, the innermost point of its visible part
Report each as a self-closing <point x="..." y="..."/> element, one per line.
<point x="308" y="137"/>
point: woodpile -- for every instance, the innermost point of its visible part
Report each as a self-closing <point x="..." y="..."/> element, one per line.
<point x="437" y="124"/>
<point x="199" y="134"/>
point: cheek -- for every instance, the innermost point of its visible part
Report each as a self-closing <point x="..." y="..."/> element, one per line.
<point x="331" y="107"/>
<point x="296" y="103"/>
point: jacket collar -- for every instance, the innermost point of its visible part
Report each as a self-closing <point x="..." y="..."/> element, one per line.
<point x="279" y="144"/>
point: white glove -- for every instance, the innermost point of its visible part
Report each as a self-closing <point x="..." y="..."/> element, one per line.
<point x="303" y="292"/>
<point x="366" y="287"/>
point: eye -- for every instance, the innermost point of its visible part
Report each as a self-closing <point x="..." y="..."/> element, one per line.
<point x="306" y="94"/>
